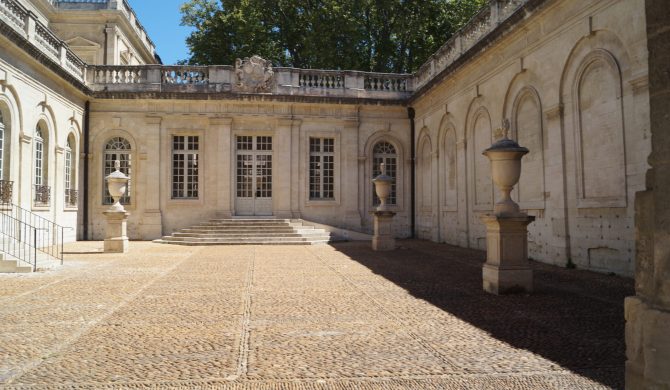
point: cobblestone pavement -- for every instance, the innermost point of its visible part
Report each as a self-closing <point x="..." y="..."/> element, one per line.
<point x="322" y="317"/>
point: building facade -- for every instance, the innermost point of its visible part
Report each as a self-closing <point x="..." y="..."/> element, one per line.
<point x="250" y="139"/>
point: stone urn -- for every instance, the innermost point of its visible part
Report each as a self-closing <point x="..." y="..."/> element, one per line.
<point x="505" y="156"/>
<point x="383" y="184"/>
<point x="117" y="183"/>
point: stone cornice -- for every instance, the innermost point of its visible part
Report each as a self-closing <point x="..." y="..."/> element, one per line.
<point x="41" y="57"/>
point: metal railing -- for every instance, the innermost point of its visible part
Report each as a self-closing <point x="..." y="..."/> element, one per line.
<point x="42" y="195"/>
<point x="71" y="197"/>
<point x="6" y="190"/>
<point x="24" y="234"/>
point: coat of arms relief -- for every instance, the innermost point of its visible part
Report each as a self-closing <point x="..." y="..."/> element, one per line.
<point x="254" y="75"/>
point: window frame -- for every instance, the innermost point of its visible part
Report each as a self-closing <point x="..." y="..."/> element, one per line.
<point x="126" y="168"/>
<point x="185" y="152"/>
<point x="321" y="154"/>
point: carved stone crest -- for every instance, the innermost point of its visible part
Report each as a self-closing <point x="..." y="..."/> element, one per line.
<point x="254" y="74"/>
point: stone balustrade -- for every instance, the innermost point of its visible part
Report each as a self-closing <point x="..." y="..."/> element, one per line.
<point x="286" y="81"/>
<point x="223" y="78"/>
<point x="26" y="24"/>
<point x="481" y="25"/>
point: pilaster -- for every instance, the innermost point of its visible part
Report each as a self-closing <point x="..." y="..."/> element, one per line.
<point x="151" y="226"/>
<point x="220" y="130"/>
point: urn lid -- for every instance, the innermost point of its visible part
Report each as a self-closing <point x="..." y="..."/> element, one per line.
<point x="504" y="143"/>
<point x="382" y="177"/>
<point x="117" y="174"/>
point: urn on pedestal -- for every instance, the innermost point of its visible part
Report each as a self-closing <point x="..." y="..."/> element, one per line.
<point x="506" y="269"/>
<point x="383" y="239"/>
<point x="116" y="237"/>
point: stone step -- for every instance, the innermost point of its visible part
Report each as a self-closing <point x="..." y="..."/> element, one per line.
<point x="252" y="234"/>
<point x="242" y="239"/>
<point x="236" y="242"/>
<point x="12" y="267"/>
<point x="256" y="231"/>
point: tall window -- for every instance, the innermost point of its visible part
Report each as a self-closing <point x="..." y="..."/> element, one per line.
<point x="321" y="168"/>
<point x="185" y="156"/>
<point x="70" y="192"/>
<point x="384" y="152"/>
<point x="117" y="148"/>
<point x="39" y="155"/>
<point x="2" y="146"/>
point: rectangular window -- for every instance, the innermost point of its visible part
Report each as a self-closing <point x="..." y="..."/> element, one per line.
<point x="322" y="168"/>
<point x="185" y="156"/>
<point x="68" y="170"/>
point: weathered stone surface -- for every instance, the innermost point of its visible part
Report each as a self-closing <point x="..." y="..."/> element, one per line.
<point x="337" y="317"/>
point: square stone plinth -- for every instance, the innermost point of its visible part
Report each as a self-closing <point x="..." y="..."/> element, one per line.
<point x="507" y="269"/>
<point x="383" y="239"/>
<point x="116" y="237"/>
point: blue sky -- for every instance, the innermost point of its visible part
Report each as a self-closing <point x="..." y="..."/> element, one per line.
<point x="161" y="18"/>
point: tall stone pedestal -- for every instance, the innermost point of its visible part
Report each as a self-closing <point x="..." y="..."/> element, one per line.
<point x="116" y="237"/>
<point x="507" y="269"/>
<point x="383" y="239"/>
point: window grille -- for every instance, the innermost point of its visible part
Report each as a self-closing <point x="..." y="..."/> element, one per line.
<point x="321" y="168"/>
<point x="185" y="156"/>
<point x="117" y="148"/>
<point x="385" y="152"/>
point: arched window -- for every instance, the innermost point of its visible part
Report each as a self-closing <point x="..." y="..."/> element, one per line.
<point x="42" y="189"/>
<point x="117" y="148"/>
<point x="5" y="185"/>
<point x="385" y="152"/>
<point x="70" y="173"/>
<point x="2" y="145"/>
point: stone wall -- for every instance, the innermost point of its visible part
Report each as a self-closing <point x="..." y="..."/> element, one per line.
<point x="572" y="79"/>
<point x="30" y="97"/>
<point x="150" y="124"/>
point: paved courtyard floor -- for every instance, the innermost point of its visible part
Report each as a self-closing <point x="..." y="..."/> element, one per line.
<point x="322" y="317"/>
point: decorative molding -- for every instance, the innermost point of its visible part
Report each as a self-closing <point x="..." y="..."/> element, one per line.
<point x="639" y="82"/>
<point x="25" y="138"/>
<point x="254" y="75"/>
<point x="220" y="121"/>
<point x="154" y="120"/>
<point x="554" y="112"/>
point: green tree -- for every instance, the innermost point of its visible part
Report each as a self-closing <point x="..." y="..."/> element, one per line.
<point x="373" y="35"/>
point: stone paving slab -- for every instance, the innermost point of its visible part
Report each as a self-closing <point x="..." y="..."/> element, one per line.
<point x="322" y="317"/>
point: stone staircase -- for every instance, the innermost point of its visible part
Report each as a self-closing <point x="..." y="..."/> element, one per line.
<point x="268" y="231"/>
<point x="13" y="266"/>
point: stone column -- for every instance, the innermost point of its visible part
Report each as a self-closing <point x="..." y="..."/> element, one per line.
<point x="151" y="226"/>
<point x="221" y="129"/>
<point x="648" y="312"/>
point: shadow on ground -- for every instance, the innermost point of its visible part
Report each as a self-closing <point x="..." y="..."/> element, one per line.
<point x="574" y="317"/>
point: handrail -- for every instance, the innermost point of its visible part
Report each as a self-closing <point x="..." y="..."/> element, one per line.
<point x="18" y="240"/>
<point x="49" y="236"/>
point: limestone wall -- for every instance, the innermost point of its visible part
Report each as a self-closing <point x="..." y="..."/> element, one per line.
<point x="572" y="79"/>
<point x="30" y="96"/>
<point x="149" y="126"/>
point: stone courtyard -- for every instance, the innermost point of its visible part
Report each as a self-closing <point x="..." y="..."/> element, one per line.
<point x="317" y="317"/>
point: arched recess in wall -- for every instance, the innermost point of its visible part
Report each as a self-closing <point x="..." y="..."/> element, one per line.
<point x="108" y="147"/>
<point x="70" y="167"/>
<point x="478" y="138"/>
<point x="592" y="94"/>
<point x="382" y="146"/>
<point x="10" y="111"/>
<point x="42" y="171"/>
<point x="527" y="128"/>
<point x="448" y="165"/>
<point x="425" y="171"/>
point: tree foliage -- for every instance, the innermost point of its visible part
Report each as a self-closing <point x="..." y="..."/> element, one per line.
<point x="374" y="35"/>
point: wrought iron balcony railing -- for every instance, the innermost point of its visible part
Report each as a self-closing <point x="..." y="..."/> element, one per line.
<point x="71" y="198"/>
<point x="6" y="188"/>
<point x="42" y="195"/>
